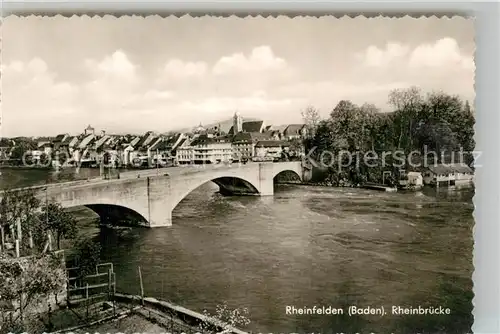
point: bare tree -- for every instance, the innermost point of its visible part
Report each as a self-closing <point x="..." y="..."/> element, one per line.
<point x="311" y="118"/>
<point x="407" y="103"/>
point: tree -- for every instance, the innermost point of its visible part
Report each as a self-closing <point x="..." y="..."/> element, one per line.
<point x="465" y="132"/>
<point x="446" y="124"/>
<point x="296" y="148"/>
<point x="407" y="103"/>
<point x="311" y="118"/>
<point x="24" y="281"/>
<point x="87" y="256"/>
<point x="323" y="138"/>
<point x="440" y="121"/>
<point x="19" y="206"/>
<point x="4" y="142"/>
<point x="224" y="318"/>
<point x="349" y="123"/>
<point x="21" y="148"/>
<point x="58" y="221"/>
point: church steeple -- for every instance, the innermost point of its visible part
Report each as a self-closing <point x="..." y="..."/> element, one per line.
<point x="237" y="123"/>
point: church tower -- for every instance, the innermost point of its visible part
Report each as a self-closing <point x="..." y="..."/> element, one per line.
<point x="237" y="123"/>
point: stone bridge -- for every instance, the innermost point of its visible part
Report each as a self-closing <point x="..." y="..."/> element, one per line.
<point x="154" y="193"/>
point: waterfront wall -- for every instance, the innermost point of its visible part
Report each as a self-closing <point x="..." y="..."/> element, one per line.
<point x="189" y="316"/>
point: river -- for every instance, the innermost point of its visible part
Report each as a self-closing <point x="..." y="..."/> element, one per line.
<point x="306" y="246"/>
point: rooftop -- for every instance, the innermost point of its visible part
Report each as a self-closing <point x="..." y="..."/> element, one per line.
<point x="204" y="140"/>
<point x="293" y="129"/>
<point x="271" y="143"/>
<point x="250" y="137"/>
<point x="450" y="168"/>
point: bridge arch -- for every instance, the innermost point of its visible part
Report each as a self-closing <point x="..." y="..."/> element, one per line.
<point x="228" y="185"/>
<point x="289" y="167"/>
<point x="109" y="209"/>
<point x="117" y="215"/>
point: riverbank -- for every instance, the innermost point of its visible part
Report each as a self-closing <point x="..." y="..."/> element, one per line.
<point x="331" y="185"/>
<point x="320" y="184"/>
<point x="314" y="184"/>
<point x="15" y="167"/>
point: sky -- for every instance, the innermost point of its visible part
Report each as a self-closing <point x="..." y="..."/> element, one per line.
<point x="134" y="74"/>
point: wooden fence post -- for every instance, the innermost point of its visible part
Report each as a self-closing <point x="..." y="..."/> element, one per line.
<point x="12" y="235"/>
<point x="109" y="283"/>
<point x="50" y="241"/>
<point x="87" y="300"/>
<point x="19" y="230"/>
<point x="142" y="287"/>
<point x="31" y="239"/>
<point x="17" y="248"/>
<point x="2" y="238"/>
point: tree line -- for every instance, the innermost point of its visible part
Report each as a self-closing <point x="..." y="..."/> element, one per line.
<point x="438" y="125"/>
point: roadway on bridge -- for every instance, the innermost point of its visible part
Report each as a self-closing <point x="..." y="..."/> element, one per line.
<point x="180" y="170"/>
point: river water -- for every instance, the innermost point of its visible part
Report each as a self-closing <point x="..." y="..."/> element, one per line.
<point x="305" y="247"/>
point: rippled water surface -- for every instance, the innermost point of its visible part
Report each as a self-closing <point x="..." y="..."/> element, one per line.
<point x="308" y="246"/>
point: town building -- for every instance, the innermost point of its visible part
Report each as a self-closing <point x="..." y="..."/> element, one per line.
<point x="199" y="129"/>
<point x="42" y="154"/>
<point x="89" y="131"/>
<point x="295" y="131"/>
<point x="127" y="155"/>
<point x="269" y="150"/>
<point x="184" y="153"/>
<point x="243" y="145"/>
<point x="237" y="123"/>
<point x="448" y="175"/>
<point x="110" y="154"/>
<point x="140" y="156"/>
<point x="83" y="150"/>
<point x="161" y="153"/>
<point x="413" y="180"/>
<point x="246" y="126"/>
<point x="208" y="150"/>
<point x="59" y="140"/>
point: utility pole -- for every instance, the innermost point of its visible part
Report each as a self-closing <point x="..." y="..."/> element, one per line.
<point x="47" y="214"/>
<point x="46" y="204"/>
<point x="157" y="169"/>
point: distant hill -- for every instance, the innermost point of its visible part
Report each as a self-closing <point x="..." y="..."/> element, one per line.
<point x="225" y="125"/>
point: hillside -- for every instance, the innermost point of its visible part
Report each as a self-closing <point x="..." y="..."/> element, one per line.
<point x="225" y="125"/>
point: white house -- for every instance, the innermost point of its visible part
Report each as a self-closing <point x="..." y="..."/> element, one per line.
<point x="212" y="150"/>
<point x="412" y="180"/>
<point x="415" y="179"/>
<point x="127" y="154"/>
<point x="269" y="150"/>
<point x="184" y="153"/>
<point x="295" y="131"/>
<point x="448" y="174"/>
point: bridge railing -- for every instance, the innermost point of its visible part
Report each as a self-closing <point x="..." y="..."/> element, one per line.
<point x="177" y="170"/>
<point x="54" y="185"/>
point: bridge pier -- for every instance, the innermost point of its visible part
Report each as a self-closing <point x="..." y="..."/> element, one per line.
<point x="266" y="179"/>
<point x="267" y="188"/>
<point x="159" y="204"/>
<point x="161" y="220"/>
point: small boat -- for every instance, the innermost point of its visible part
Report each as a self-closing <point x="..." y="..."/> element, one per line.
<point x="379" y="187"/>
